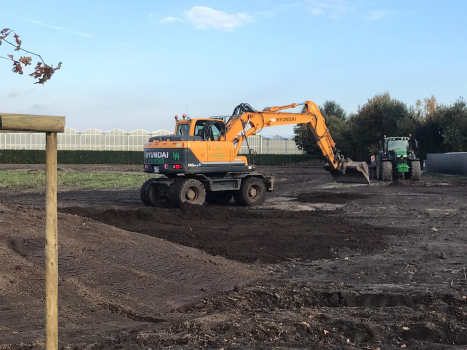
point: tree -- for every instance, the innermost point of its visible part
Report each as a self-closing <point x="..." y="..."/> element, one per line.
<point x="332" y="108"/>
<point x="453" y="123"/>
<point x="42" y="71"/>
<point x="380" y="116"/>
<point x="428" y="131"/>
<point x="305" y="140"/>
<point x="337" y="124"/>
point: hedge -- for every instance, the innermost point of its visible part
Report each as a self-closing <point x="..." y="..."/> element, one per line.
<point x="71" y="157"/>
<point x="286" y="159"/>
<point x="132" y="157"/>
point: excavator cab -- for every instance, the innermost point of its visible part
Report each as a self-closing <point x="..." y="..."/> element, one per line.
<point x="207" y="129"/>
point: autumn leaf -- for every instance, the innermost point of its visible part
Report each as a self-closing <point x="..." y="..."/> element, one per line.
<point x="403" y="346"/>
<point x="4" y="33"/>
<point x="44" y="72"/>
<point x="25" y="60"/>
<point x="18" y="42"/>
<point x="17" y="68"/>
<point x="325" y="332"/>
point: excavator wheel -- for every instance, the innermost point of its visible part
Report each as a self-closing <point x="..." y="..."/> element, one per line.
<point x="187" y="191"/>
<point x="150" y="195"/>
<point x="252" y="192"/>
<point x="222" y="197"/>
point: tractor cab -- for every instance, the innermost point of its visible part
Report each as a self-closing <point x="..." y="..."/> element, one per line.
<point x="400" y="147"/>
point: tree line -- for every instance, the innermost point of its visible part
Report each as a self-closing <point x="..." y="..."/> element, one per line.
<point x="438" y="128"/>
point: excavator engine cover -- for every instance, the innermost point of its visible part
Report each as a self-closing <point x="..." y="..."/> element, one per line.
<point x="352" y="172"/>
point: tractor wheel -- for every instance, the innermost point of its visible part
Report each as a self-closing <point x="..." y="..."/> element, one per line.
<point x="150" y="196"/>
<point x="415" y="171"/>
<point x="379" y="172"/>
<point x="187" y="191"/>
<point x="251" y="192"/>
<point x="218" y="197"/>
<point x="387" y="171"/>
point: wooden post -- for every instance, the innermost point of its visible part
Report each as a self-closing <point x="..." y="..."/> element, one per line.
<point x="51" y="244"/>
<point x="50" y="125"/>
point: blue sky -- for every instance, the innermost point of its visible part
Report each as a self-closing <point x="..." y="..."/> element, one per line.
<point x="135" y="64"/>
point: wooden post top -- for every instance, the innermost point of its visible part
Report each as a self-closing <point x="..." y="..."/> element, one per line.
<point x="30" y="122"/>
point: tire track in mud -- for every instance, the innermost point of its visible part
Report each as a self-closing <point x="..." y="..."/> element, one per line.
<point x="109" y="279"/>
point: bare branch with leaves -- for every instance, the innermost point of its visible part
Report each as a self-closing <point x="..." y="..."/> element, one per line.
<point x="42" y="72"/>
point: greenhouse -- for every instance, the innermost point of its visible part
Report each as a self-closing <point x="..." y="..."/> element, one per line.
<point x="119" y="140"/>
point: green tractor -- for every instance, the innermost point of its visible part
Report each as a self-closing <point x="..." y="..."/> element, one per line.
<point x="396" y="160"/>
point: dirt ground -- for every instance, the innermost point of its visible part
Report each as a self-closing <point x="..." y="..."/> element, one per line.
<point x="320" y="265"/>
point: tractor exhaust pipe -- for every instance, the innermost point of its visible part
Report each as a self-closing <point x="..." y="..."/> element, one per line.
<point x="352" y="172"/>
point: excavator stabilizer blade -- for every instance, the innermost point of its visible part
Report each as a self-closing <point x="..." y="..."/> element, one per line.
<point x="353" y="172"/>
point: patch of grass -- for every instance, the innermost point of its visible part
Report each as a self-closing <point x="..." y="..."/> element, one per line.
<point x="446" y="177"/>
<point x="35" y="180"/>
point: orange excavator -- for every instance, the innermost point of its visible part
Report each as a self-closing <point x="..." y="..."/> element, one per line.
<point x="201" y="162"/>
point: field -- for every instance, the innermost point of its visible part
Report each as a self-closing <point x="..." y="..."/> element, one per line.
<point x="319" y="266"/>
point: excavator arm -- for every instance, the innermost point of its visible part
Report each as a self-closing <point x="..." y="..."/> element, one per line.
<point x="246" y="122"/>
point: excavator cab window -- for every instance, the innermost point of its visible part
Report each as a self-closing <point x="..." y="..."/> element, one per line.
<point x="199" y="126"/>
<point x="215" y="133"/>
<point x="208" y="130"/>
<point x="183" y="129"/>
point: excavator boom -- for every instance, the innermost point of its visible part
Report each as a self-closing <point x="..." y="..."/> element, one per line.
<point x="249" y="122"/>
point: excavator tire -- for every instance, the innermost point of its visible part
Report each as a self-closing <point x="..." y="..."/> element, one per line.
<point x="387" y="171"/>
<point x="187" y="191"/>
<point x="149" y="195"/>
<point x="252" y="192"/>
<point x="415" y="171"/>
<point x="222" y="197"/>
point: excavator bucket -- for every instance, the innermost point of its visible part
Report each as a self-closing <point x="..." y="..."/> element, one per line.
<point x="352" y="172"/>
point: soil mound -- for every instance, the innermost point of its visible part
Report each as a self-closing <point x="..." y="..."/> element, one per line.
<point x="268" y="236"/>
<point x="109" y="279"/>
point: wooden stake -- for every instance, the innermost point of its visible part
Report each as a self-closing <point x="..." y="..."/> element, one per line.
<point x="51" y="246"/>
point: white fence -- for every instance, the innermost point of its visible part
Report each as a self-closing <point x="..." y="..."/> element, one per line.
<point x="119" y="140"/>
